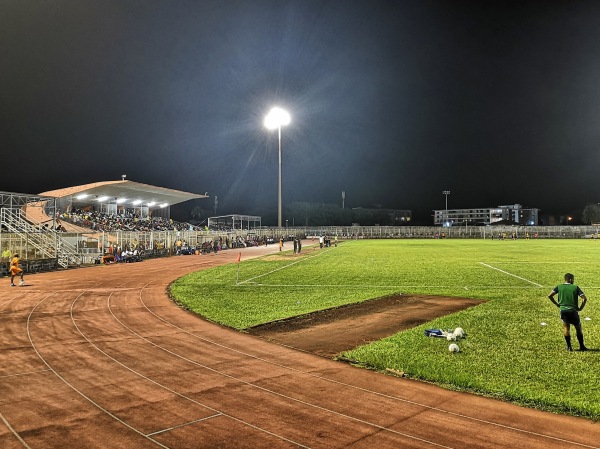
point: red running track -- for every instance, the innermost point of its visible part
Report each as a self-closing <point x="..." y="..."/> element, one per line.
<point x="101" y="358"/>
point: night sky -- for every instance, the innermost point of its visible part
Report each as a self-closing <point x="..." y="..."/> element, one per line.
<point x="391" y="101"/>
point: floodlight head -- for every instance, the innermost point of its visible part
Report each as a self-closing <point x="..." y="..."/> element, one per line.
<point x="276" y="118"/>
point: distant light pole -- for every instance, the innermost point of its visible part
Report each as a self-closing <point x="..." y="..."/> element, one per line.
<point x="275" y="119"/>
<point x="446" y="192"/>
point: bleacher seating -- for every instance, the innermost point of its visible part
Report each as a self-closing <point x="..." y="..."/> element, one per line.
<point x="99" y="221"/>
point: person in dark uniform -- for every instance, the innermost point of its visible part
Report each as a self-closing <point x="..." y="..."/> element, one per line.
<point x="568" y="303"/>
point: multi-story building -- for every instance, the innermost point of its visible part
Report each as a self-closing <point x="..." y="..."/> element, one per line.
<point x="509" y="214"/>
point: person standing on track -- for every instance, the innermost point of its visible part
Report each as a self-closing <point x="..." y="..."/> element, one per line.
<point x="15" y="270"/>
<point x="568" y="303"/>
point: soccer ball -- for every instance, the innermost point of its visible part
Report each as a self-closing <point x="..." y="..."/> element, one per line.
<point x="459" y="332"/>
<point x="453" y="348"/>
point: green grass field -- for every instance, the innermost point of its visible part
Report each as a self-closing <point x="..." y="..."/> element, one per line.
<point x="507" y="354"/>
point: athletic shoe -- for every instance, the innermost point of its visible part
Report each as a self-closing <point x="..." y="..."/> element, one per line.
<point x="569" y="348"/>
<point x="21" y="283"/>
<point x="583" y="348"/>
<point x="12" y="285"/>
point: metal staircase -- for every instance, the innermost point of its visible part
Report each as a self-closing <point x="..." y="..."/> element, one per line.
<point x="47" y="242"/>
<point x="67" y="253"/>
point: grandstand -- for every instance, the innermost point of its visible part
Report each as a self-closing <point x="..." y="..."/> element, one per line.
<point x="121" y="197"/>
<point x="42" y="230"/>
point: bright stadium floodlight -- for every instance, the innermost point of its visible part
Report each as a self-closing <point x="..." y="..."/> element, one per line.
<point x="275" y="119"/>
<point x="121" y="200"/>
<point x="136" y="202"/>
<point x="82" y="196"/>
<point x="151" y="203"/>
<point x="102" y="198"/>
<point x="164" y="205"/>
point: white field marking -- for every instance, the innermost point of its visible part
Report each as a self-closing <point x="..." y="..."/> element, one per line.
<point x="285" y="266"/>
<point x="396" y="287"/>
<point x="345" y="384"/>
<point x="510" y="274"/>
<point x="562" y="262"/>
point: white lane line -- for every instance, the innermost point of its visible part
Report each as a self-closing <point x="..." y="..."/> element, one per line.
<point x="250" y="384"/>
<point x="510" y="274"/>
<point x="158" y="384"/>
<point x="15" y="433"/>
<point x="66" y="382"/>
<point x="184" y="425"/>
<point x="27" y="373"/>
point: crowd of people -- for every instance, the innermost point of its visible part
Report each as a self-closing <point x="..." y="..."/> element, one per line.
<point x="126" y="254"/>
<point x="221" y="243"/>
<point x="100" y="221"/>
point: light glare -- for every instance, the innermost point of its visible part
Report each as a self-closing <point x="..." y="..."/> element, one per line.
<point x="277" y="117"/>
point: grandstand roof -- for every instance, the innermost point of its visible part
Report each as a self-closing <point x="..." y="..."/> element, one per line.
<point x="125" y="191"/>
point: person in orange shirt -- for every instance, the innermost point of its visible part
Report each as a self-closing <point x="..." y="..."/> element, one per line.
<point x="15" y="270"/>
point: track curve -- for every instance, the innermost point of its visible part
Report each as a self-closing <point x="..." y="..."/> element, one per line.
<point x="101" y="358"/>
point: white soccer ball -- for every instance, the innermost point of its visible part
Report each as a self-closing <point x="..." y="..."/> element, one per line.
<point x="453" y="348"/>
<point x="459" y="332"/>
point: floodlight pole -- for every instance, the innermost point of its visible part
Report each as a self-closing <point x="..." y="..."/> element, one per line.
<point x="274" y="120"/>
<point x="446" y="192"/>
<point x="279" y="190"/>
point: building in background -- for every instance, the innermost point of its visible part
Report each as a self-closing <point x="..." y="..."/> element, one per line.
<point x="510" y="214"/>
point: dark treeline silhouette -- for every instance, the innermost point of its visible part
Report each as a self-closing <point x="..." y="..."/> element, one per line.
<point x="300" y="214"/>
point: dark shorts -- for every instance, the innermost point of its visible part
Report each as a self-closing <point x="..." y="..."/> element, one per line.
<point x="570" y="317"/>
